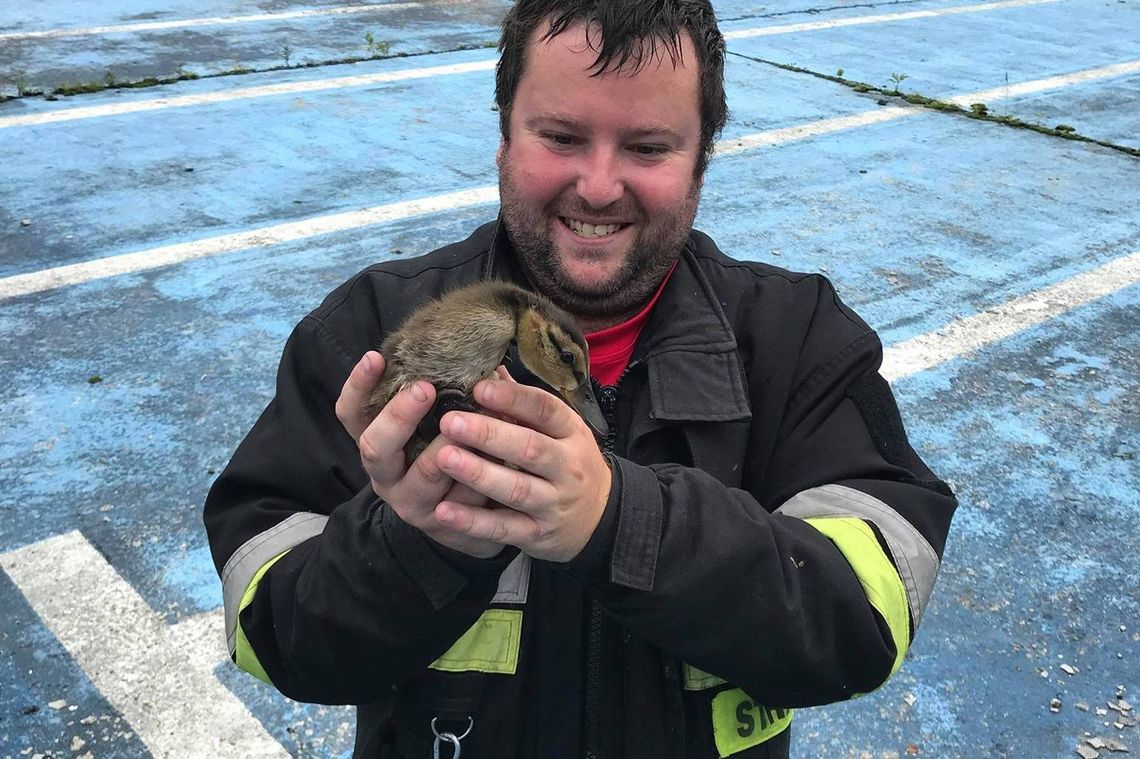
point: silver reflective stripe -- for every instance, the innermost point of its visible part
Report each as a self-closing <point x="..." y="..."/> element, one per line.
<point x="514" y="582"/>
<point x="252" y="556"/>
<point x="915" y="558"/>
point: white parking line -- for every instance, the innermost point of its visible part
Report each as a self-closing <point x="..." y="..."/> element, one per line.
<point x="159" y="677"/>
<point x="1064" y="80"/>
<point x="811" y="26"/>
<point x="189" y="23"/>
<point x="245" y="93"/>
<point x="127" y="263"/>
<point x="965" y="336"/>
<point x="88" y="112"/>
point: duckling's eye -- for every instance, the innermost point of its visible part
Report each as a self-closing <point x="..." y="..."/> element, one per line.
<point x="567" y="357"/>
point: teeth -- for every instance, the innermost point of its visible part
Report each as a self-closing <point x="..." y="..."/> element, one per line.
<point x="589" y="230"/>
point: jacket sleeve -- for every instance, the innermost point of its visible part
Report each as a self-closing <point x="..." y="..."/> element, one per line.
<point x="328" y="595"/>
<point x="804" y="586"/>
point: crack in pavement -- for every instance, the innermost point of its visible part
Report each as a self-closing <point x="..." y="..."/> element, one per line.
<point x="815" y="11"/>
<point x="73" y="90"/>
<point x="976" y="111"/>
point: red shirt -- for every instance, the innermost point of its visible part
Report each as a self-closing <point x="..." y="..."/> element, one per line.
<point x="611" y="348"/>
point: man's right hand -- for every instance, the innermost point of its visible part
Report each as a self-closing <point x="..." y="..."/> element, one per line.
<point x="414" y="491"/>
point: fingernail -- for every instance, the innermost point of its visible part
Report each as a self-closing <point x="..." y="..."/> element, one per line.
<point x="457" y="424"/>
<point x="451" y="460"/>
<point x="418" y="392"/>
<point x="487" y="390"/>
<point x="366" y="362"/>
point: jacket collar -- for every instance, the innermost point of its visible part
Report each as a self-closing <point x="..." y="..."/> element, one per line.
<point x="687" y="345"/>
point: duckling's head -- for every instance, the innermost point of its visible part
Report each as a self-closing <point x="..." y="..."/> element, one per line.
<point x="551" y="346"/>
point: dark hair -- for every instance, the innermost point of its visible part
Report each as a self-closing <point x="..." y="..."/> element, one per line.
<point x="630" y="33"/>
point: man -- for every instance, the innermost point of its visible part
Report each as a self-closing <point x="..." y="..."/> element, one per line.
<point x="756" y="534"/>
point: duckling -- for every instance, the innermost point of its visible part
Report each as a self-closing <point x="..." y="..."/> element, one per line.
<point x="462" y="337"/>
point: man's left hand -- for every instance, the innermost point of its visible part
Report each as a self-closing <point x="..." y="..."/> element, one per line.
<point x="556" y="496"/>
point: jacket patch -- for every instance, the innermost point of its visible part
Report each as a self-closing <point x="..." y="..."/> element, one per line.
<point x="491" y="645"/>
<point x="740" y="723"/>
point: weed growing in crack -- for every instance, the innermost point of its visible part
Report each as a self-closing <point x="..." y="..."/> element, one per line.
<point x="896" y="80"/>
<point x="376" y="49"/>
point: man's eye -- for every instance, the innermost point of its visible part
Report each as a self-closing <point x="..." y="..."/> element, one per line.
<point x="562" y="140"/>
<point x="649" y="150"/>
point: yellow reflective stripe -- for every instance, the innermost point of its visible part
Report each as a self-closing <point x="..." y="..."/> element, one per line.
<point x="697" y="679"/>
<point x="740" y="723"/>
<point x="244" y="655"/>
<point x="878" y="576"/>
<point x="490" y="645"/>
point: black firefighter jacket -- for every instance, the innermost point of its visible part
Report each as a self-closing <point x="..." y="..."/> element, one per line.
<point x="770" y="541"/>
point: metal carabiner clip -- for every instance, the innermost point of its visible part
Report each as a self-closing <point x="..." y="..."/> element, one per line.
<point x="446" y="737"/>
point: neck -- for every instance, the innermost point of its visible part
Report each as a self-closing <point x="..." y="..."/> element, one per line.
<point x="590" y="324"/>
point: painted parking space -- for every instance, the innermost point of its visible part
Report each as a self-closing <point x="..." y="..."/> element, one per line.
<point x="1110" y="109"/>
<point x="194" y="160"/>
<point x="949" y="55"/>
<point x="51" y="46"/>
<point x="315" y="153"/>
<point x="123" y="395"/>
<point x="199" y="184"/>
<point x="112" y="47"/>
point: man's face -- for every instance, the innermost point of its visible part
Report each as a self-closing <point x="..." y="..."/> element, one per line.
<point x="596" y="182"/>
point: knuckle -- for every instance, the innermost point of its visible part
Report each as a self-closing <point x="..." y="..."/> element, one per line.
<point x="486" y="433"/>
<point x="499" y="530"/>
<point x="426" y="467"/>
<point x="519" y="493"/>
<point x="478" y="470"/>
<point x="532" y="451"/>
<point x="548" y="407"/>
<point x="369" y="453"/>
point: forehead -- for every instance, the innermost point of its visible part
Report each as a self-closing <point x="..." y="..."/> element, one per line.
<point x="560" y="76"/>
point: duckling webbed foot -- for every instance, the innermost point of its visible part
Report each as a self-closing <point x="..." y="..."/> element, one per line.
<point x="446" y="399"/>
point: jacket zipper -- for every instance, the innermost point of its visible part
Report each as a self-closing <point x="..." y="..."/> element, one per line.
<point x="608" y="401"/>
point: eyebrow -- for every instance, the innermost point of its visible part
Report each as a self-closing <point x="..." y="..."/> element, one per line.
<point x="650" y="130"/>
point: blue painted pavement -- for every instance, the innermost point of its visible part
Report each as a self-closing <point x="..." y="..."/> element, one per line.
<point x="920" y="220"/>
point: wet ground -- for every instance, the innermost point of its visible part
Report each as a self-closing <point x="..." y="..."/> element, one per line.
<point x="158" y="243"/>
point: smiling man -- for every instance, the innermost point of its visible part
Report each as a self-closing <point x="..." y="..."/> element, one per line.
<point x="600" y="172"/>
<point x="754" y="534"/>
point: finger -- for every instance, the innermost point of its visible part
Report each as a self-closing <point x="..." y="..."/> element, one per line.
<point x="352" y="405"/>
<point x="503" y="439"/>
<point x="531" y="406"/>
<point x="504" y="526"/>
<point x="382" y="442"/>
<point x="504" y="374"/>
<point x="424" y="477"/>
<point x="460" y="493"/>
<point x="511" y="487"/>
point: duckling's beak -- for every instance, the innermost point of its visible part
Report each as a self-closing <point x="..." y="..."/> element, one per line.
<point x="582" y="399"/>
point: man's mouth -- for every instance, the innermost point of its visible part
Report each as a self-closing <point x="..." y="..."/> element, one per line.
<point x="591" y="231"/>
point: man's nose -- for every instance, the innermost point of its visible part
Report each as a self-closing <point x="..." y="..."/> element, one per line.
<point x="600" y="182"/>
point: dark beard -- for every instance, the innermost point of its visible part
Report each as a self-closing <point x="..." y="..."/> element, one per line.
<point x="648" y="262"/>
